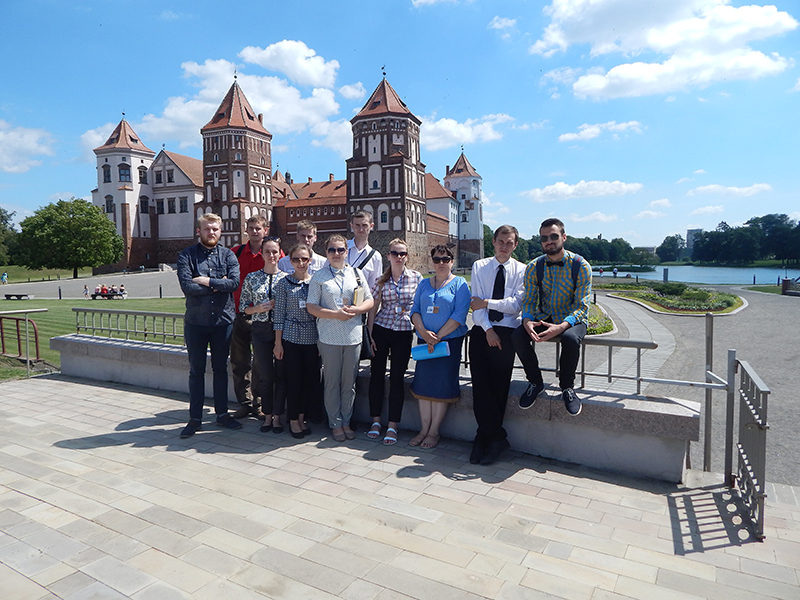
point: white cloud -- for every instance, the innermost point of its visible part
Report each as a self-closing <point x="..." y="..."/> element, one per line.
<point x="595" y="216"/>
<point x="284" y="107"/>
<point x="446" y="133"/>
<point x="20" y="147"/>
<point x="582" y="189"/>
<point x="502" y="23"/>
<point x="92" y="139"/>
<point x="662" y="202"/>
<point x="296" y="60"/>
<point x="649" y="214"/>
<point x="168" y="15"/>
<point x="700" y="172"/>
<point x="752" y="190"/>
<point x="589" y="132"/>
<point x="796" y="87"/>
<point x="527" y="126"/>
<point x="707" y="210"/>
<point x="429" y="2"/>
<point x="337" y="135"/>
<point x="354" y="91"/>
<point x="684" y="180"/>
<point x="795" y="216"/>
<point x="562" y="75"/>
<point x="704" y="41"/>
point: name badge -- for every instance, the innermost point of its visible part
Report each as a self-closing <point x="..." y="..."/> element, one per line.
<point x="398" y="309"/>
<point x="432" y="310"/>
<point x="339" y="302"/>
<point x="302" y="304"/>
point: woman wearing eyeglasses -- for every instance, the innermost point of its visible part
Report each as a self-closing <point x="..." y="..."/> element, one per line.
<point x="338" y="295"/>
<point x="439" y="314"/>
<point x="296" y="340"/>
<point x="258" y="300"/>
<point x="392" y="332"/>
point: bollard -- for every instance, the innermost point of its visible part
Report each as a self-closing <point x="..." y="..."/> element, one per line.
<point x="595" y="298"/>
<point x="754" y="279"/>
<point x="160" y="291"/>
<point x="637" y="279"/>
<point x="59" y="292"/>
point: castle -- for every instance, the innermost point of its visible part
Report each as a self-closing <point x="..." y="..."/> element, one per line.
<point x="155" y="199"/>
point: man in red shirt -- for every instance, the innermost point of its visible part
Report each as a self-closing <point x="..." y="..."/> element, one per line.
<point x="245" y="376"/>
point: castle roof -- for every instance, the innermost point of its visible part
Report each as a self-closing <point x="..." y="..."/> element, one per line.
<point x="235" y="111"/>
<point x="192" y="167"/>
<point x="434" y="189"/>
<point x="462" y="168"/>
<point x="385" y="101"/>
<point x="124" y="137"/>
<point x="330" y="191"/>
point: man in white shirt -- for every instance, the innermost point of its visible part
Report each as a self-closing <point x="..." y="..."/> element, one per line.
<point x="306" y="234"/>
<point x="497" y="292"/>
<point x="359" y="253"/>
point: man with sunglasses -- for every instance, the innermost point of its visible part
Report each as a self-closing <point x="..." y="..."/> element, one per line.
<point x="555" y="305"/>
<point x="359" y="253"/>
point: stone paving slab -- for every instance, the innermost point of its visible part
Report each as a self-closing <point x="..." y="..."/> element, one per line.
<point x="99" y="498"/>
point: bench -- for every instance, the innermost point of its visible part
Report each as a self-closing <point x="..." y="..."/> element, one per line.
<point x="108" y="295"/>
<point x="20" y="296"/>
<point x="636" y="435"/>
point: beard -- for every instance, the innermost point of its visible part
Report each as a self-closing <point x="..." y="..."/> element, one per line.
<point x="554" y="250"/>
<point x="208" y="242"/>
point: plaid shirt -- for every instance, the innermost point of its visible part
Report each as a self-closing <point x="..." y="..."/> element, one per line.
<point x="394" y="295"/>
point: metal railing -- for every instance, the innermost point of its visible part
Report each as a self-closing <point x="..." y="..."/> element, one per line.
<point x="5" y="317"/>
<point x="130" y="324"/>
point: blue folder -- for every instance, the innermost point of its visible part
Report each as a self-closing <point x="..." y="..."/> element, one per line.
<point x="420" y="352"/>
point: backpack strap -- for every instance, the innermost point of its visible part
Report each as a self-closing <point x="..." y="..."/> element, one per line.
<point x="576" y="265"/>
<point x="366" y="260"/>
<point x="239" y="250"/>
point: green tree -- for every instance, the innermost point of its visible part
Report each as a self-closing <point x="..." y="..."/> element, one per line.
<point x="69" y="234"/>
<point x="640" y="256"/>
<point x="7" y="235"/>
<point x="488" y="234"/>
<point x="671" y="247"/>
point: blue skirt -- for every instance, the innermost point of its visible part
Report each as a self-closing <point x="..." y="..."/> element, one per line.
<point x="437" y="379"/>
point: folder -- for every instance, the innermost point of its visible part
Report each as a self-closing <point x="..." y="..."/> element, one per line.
<point x="420" y="352"/>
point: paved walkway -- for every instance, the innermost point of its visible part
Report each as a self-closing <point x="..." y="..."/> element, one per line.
<point x="100" y="499"/>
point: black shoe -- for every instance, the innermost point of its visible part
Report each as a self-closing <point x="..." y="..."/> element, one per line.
<point x="493" y="452"/>
<point x="478" y="450"/>
<point x="529" y="397"/>
<point x="242" y="412"/>
<point x="277" y="429"/>
<point x="265" y="428"/>
<point x="298" y="435"/>
<point x="306" y="431"/>
<point x="571" y="401"/>
<point x="228" y="422"/>
<point x="191" y="428"/>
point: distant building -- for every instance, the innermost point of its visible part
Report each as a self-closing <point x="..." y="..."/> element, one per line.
<point x="155" y="200"/>
<point x="690" y="235"/>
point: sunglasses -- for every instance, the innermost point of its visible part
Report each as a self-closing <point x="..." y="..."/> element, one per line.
<point x="300" y="260"/>
<point x="441" y="259"/>
<point x="396" y="253"/>
<point x="271" y="238"/>
<point x="337" y="250"/>
<point x="553" y="237"/>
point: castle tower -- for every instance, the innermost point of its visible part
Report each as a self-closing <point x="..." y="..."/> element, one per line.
<point x="237" y="166"/>
<point x="125" y="194"/>
<point x="385" y="175"/>
<point x="465" y="184"/>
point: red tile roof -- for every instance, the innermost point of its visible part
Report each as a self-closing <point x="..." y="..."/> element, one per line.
<point x="462" y="168"/>
<point x="125" y="137"/>
<point x="385" y="101"/>
<point x="235" y="111"/>
<point x="192" y="167"/>
<point x="434" y="189"/>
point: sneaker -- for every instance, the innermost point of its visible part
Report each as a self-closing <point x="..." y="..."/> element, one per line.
<point x="228" y="422"/>
<point x="191" y="428"/>
<point x="571" y="401"/>
<point x="529" y="397"/>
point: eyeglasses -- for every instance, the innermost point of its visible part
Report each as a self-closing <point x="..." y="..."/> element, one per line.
<point x="300" y="260"/>
<point x="337" y="250"/>
<point x="396" y="253"/>
<point x="441" y="259"/>
<point x="271" y="238"/>
<point x="553" y="237"/>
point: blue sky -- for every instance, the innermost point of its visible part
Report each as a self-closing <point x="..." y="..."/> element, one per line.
<point x="624" y="118"/>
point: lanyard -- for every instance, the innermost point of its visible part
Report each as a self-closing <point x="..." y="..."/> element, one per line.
<point x="336" y="281"/>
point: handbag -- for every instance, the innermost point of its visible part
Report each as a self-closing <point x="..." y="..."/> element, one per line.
<point x="420" y="352"/>
<point x="366" y="339"/>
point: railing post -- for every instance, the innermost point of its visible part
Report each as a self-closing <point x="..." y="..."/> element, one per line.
<point x="708" y="406"/>
<point x="730" y="476"/>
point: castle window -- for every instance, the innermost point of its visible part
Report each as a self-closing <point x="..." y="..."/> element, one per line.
<point x="171" y="206"/>
<point x="170" y="176"/>
<point x="110" y="205"/>
<point x="124" y="173"/>
<point x="326" y="211"/>
<point x="464" y="217"/>
<point x="158" y="177"/>
<point x="216" y="158"/>
<point x="384" y="217"/>
<point x="144" y="206"/>
<point x="374" y="184"/>
<point x="238" y="156"/>
<point x="463" y="196"/>
<point x="160" y="206"/>
<point x="305" y="212"/>
<point x="106" y="174"/>
<point x="184" y="204"/>
<point x="142" y="175"/>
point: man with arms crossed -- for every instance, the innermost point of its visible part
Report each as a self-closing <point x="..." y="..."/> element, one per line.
<point x="245" y="376"/>
<point x="306" y="234"/>
<point x="497" y="290"/>
<point x="208" y="274"/>
<point x="359" y="253"/>
<point x="556" y="305"/>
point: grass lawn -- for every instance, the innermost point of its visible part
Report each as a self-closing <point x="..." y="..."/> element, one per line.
<point x="769" y="289"/>
<point x="60" y="320"/>
<point x="17" y="274"/>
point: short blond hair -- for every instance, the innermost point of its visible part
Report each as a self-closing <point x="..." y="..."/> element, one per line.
<point x="211" y="218"/>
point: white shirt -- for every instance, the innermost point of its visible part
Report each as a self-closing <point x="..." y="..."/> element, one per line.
<point x="374" y="267"/>
<point x="317" y="262"/>
<point x="484" y="272"/>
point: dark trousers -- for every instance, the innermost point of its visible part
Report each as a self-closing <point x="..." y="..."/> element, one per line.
<point x="570" y="353"/>
<point x="245" y="374"/>
<point x="271" y="380"/>
<point x="304" y="364"/>
<point x="398" y="343"/>
<point x="198" y="338"/>
<point x="491" y="370"/>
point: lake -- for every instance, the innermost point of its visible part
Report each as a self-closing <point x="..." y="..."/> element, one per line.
<point x="733" y="275"/>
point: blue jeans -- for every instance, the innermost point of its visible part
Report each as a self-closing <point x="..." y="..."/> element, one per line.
<point x="198" y="338"/>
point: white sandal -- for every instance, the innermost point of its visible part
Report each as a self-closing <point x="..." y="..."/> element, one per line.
<point x="390" y="440"/>
<point x="373" y="433"/>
